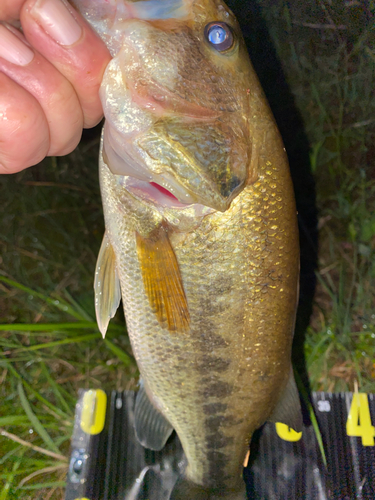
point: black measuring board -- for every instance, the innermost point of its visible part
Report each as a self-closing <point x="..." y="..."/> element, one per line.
<point x="108" y="463"/>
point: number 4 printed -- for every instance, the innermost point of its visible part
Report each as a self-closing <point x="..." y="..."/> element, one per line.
<point x="359" y="420"/>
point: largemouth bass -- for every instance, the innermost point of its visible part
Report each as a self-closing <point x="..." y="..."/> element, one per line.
<point x="201" y="235"/>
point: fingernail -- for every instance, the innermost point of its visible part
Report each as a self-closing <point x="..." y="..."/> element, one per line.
<point x="57" y="21"/>
<point x="12" y="48"/>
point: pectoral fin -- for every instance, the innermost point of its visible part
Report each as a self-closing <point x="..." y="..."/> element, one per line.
<point x="288" y="409"/>
<point x="106" y="286"/>
<point x="151" y="427"/>
<point x="162" y="281"/>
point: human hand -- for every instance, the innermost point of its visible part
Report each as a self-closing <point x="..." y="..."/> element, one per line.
<point x="49" y="80"/>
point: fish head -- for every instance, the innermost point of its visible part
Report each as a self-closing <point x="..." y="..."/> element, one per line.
<point x="176" y="102"/>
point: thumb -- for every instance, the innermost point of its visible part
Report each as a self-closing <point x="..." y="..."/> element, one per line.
<point x="62" y="36"/>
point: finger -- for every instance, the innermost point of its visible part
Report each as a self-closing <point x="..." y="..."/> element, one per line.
<point x="58" y="32"/>
<point x="10" y="9"/>
<point x="52" y="90"/>
<point x="24" y="135"/>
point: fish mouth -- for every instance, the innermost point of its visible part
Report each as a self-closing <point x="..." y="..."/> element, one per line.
<point x="154" y="193"/>
<point x="162" y="199"/>
<point x="160" y="188"/>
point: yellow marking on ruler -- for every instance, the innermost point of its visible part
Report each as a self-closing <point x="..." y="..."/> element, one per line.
<point x="359" y="420"/>
<point x="93" y="411"/>
<point x="287" y="433"/>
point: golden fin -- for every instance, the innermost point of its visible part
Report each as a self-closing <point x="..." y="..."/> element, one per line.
<point x="162" y="281"/>
<point x="106" y="286"/>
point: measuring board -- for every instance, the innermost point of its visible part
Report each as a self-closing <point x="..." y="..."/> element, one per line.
<point x="108" y="463"/>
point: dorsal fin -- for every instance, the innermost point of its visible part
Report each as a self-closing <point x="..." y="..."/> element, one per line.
<point x="106" y="286"/>
<point x="162" y="280"/>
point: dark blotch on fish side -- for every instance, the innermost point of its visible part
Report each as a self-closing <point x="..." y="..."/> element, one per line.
<point x="215" y="420"/>
<point x="211" y="363"/>
<point x="212" y="340"/>
<point x="214" y="408"/>
<point x="217" y="466"/>
<point x="223" y="284"/>
<point x="216" y="307"/>
<point x="217" y="440"/>
<point x="216" y="389"/>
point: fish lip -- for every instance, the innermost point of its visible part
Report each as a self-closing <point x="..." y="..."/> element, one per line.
<point x="146" y="192"/>
<point x="163" y="205"/>
<point x="149" y="192"/>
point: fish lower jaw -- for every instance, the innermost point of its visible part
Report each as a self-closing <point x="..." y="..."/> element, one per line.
<point x="158" y="193"/>
<point x="169" y="195"/>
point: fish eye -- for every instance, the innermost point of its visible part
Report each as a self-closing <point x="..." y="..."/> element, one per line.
<point x="219" y="35"/>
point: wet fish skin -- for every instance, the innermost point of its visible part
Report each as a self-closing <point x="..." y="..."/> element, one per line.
<point x="218" y="375"/>
<point x="220" y="382"/>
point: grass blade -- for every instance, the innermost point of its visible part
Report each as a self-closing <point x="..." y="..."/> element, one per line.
<point x="70" y="340"/>
<point x="122" y="355"/>
<point x="313" y="419"/>
<point x="46" y="470"/>
<point x="57" y="390"/>
<point x="78" y="308"/>
<point x="39" y="486"/>
<point x="48" y="327"/>
<point x="7" y="486"/>
<point x="15" y="438"/>
<point x="58" y="303"/>
<point x="49" y="405"/>
<point x="35" y="421"/>
<point x="14" y="420"/>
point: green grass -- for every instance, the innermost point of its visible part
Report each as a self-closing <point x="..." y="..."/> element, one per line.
<point x="41" y="366"/>
<point x="49" y="343"/>
<point x="331" y="72"/>
<point x="51" y="230"/>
